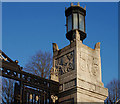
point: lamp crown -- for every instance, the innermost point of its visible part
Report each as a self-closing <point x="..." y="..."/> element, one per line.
<point x="78" y="4"/>
<point x="71" y="4"/>
<point x="75" y="20"/>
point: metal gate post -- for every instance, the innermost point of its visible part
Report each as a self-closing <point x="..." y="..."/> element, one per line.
<point x="20" y="92"/>
<point x="17" y="93"/>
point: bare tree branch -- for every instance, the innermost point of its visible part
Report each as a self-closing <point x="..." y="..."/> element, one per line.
<point x="113" y="91"/>
<point x="7" y="90"/>
<point x="40" y="64"/>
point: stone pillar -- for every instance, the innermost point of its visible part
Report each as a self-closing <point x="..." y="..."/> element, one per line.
<point x="89" y="84"/>
<point x="77" y="68"/>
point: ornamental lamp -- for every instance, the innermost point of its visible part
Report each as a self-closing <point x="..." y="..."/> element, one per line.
<point x="75" y="20"/>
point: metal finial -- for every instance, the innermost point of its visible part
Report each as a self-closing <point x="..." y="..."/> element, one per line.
<point x="16" y="61"/>
<point x="71" y="4"/>
<point x="85" y="7"/>
<point x="78" y="4"/>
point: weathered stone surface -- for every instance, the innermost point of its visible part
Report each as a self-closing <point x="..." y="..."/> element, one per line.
<point x="65" y="63"/>
<point x="77" y="67"/>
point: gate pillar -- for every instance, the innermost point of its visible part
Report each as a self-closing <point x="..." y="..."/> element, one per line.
<point x="77" y="67"/>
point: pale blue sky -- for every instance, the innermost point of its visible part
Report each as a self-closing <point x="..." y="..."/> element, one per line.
<point x="30" y="27"/>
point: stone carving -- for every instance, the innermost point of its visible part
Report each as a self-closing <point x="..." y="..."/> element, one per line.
<point x="54" y="71"/>
<point x="55" y="47"/>
<point x="89" y="63"/>
<point x="95" y="66"/>
<point x="60" y="87"/>
<point x="83" y="63"/>
<point x="65" y="63"/>
<point x="97" y="45"/>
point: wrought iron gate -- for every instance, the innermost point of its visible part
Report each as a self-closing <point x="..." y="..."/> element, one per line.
<point x="31" y="89"/>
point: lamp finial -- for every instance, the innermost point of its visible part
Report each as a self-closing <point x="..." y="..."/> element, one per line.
<point x="78" y="4"/>
<point x="71" y="4"/>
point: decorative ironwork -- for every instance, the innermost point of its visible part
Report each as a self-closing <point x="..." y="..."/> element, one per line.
<point x="40" y="88"/>
<point x="54" y="98"/>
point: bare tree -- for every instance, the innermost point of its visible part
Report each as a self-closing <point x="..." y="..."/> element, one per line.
<point x="7" y="90"/>
<point x="40" y="64"/>
<point x="113" y="91"/>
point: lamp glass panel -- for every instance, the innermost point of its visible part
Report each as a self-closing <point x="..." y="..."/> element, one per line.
<point x="75" y="21"/>
<point x="69" y="22"/>
<point x="81" y="22"/>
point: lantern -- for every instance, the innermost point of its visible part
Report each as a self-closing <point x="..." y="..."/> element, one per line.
<point x="75" y="20"/>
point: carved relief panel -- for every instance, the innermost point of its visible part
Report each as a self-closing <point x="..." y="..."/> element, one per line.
<point x="89" y="63"/>
<point x="95" y="67"/>
<point x="65" y="63"/>
<point x="83" y="61"/>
